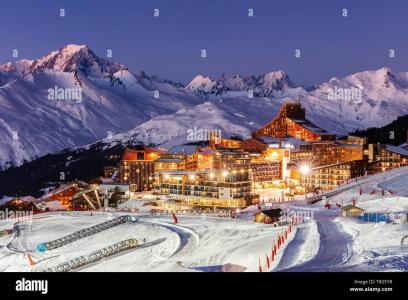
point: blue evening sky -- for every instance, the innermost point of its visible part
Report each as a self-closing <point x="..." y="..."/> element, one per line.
<point x="170" y="45"/>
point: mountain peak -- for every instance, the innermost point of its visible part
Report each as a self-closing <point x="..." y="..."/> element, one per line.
<point x="201" y="84"/>
<point x="75" y="48"/>
<point x="385" y="70"/>
<point x="73" y="58"/>
<point x="276" y="80"/>
<point x="19" y="67"/>
<point x="276" y="74"/>
<point x="264" y="85"/>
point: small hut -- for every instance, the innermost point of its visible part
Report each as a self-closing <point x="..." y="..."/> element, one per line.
<point x="269" y="216"/>
<point x="351" y="211"/>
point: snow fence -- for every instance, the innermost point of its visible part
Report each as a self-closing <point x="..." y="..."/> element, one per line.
<point x="94" y="256"/>
<point x="42" y="247"/>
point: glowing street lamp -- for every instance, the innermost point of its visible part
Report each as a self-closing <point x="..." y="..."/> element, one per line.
<point x="305" y="169"/>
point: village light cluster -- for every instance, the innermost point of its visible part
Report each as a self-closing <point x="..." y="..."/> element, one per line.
<point x="230" y="173"/>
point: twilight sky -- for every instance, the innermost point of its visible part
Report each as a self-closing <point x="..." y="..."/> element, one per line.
<point x="170" y="45"/>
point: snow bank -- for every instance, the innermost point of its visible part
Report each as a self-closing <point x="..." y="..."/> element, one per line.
<point x="376" y="246"/>
<point x="139" y="204"/>
<point x="390" y="204"/>
<point x="311" y="244"/>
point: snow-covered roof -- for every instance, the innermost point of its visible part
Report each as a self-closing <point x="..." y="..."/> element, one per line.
<point x="114" y="184"/>
<point x="208" y="151"/>
<point x="273" y="213"/>
<point x="331" y="165"/>
<point x="349" y="145"/>
<point x="350" y="206"/>
<point x="27" y="199"/>
<point x="169" y="160"/>
<point x="309" y="126"/>
<point x="184" y="172"/>
<point x="295" y="141"/>
<point x="397" y="150"/>
<point x="57" y="191"/>
<point x="289" y="140"/>
<point x="269" y="140"/>
<point x="183" y="149"/>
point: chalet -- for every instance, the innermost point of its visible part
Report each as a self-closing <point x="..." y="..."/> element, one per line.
<point x="351" y="211"/>
<point x="126" y="189"/>
<point x="27" y="203"/>
<point x="269" y="216"/>
<point x="63" y="194"/>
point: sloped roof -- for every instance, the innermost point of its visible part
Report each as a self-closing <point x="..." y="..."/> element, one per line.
<point x="351" y="206"/>
<point x="268" y="139"/>
<point x="272" y="213"/>
<point x="295" y="141"/>
<point x="168" y="160"/>
<point x="287" y="140"/>
<point x="58" y="190"/>
<point x="309" y="126"/>
<point x="183" y="149"/>
<point x="397" y="150"/>
<point x="207" y="150"/>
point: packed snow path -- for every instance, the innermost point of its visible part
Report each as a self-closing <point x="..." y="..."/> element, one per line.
<point x="337" y="251"/>
<point x="334" y="248"/>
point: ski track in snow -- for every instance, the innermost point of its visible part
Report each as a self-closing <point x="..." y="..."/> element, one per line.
<point x="326" y="243"/>
<point x="194" y="242"/>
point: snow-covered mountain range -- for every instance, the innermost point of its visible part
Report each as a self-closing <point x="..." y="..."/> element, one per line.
<point x="147" y="109"/>
<point x="113" y="100"/>
<point x="268" y="85"/>
<point x="382" y="98"/>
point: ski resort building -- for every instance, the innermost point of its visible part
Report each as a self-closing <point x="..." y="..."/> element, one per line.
<point x="193" y="158"/>
<point x="207" y="188"/>
<point x="296" y="152"/>
<point x="291" y="121"/>
<point x="126" y="190"/>
<point x="63" y="194"/>
<point x="391" y="157"/>
<point x="351" y="211"/>
<point x="178" y="158"/>
<point x="137" y="167"/>
<point x="231" y="159"/>
<point x="331" y="176"/>
<point x="269" y="216"/>
<point x="204" y="158"/>
<point x="220" y="142"/>
<point x="265" y="173"/>
<point x="331" y="152"/>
